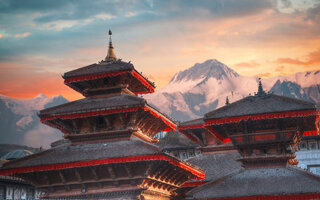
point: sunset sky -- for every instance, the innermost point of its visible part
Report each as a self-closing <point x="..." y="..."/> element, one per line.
<point x="42" y="39"/>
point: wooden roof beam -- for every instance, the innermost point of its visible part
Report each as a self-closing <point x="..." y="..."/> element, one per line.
<point x="113" y="175"/>
<point x="162" y="172"/>
<point x="104" y="180"/>
<point x="111" y="172"/>
<point x="46" y="178"/>
<point x="163" y="182"/>
<point x="94" y="173"/>
<point x="171" y="173"/>
<point x="129" y="171"/>
<point x="63" y="179"/>
<point x="77" y="175"/>
<point x="149" y="169"/>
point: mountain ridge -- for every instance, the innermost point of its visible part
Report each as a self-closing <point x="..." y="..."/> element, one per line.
<point x="190" y="94"/>
<point x="20" y="124"/>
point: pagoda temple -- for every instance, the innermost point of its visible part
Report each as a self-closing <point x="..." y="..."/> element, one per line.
<point x="265" y="130"/>
<point x="111" y="154"/>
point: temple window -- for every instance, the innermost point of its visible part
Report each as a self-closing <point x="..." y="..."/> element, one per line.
<point x="303" y="145"/>
<point x="313" y="145"/>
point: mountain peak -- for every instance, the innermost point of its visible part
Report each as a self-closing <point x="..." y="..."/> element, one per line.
<point x="207" y="69"/>
<point x="41" y="95"/>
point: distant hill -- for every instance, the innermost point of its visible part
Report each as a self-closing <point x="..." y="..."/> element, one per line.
<point x="19" y="123"/>
<point x="5" y="148"/>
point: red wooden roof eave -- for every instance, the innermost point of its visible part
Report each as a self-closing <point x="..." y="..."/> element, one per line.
<point x="188" y="136"/>
<point x="198" y="173"/>
<point x="194" y="183"/>
<point x="307" y="196"/>
<point x="169" y="122"/>
<point x="171" y="125"/>
<point x="236" y="119"/>
<point x="302" y="113"/>
<point x="150" y="87"/>
<point x="199" y="126"/>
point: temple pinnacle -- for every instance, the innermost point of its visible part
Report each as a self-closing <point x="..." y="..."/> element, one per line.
<point x="111" y="56"/>
<point x="260" y="92"/>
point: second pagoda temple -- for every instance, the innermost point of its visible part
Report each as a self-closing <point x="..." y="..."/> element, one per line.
<point x="249" y="150"/>
<point x="111" y="131"/>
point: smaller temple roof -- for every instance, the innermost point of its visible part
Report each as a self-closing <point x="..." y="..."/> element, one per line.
<point x="108" y="73"/>
<point x="93" y="104"/>
<point x="70" y="156"/>
<point x="260" y="104"/>
<point x="194" y="122"/>
<point x="15" y="154"/>
<point x="260" y="182"/>
<point x="217" y="165"/>
<point x="137" y="83"/>
<point x="83" y="152"/>
<point x="102" y="67"/>
<point x="88" y="107"/>
<point x="174" y="140"/>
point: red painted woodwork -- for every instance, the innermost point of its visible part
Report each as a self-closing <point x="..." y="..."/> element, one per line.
<point x="188" y="136"/>
<point x="225" y="120"/>
<point x="148" y="109"/>
<point x="191" y="127"/>
<point x="182" y="128"/>
<point x="310" y="133"/>
<point x="226" y="140"/>
<point x="272" y="197"/>
<point x="102" y="75"/>
<point x="303" y="113"/>
<point x="197" y="173"/>
<point x="144" y="82"/>
<point x="55" y="126"/>
<point x="105" y="112"/>
<point x="265" y="137"/>
<point x="194" y="184"/>
<point x="89" y="114"/>
<point x="214" y="132"/>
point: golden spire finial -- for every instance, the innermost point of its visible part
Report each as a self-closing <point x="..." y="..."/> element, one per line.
<point x="111" y="56"/>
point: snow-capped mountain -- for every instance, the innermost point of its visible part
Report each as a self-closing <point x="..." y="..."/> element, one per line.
<point x="20" y="124"/>
<point x="205" y="86"/>
<point x="189" y="95"/>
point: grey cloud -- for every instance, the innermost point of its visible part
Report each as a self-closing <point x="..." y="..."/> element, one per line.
<point x="82" y="9"/>
<point x="314" y="13"/>
<point x="14" y="6"/>
<point x="286" y="3"/>
<point x="15" y="17"/>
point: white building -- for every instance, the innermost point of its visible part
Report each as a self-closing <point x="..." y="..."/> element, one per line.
<point x="309" y="154"/>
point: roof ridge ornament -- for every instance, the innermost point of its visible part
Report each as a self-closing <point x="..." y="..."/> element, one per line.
<point x="227" y="101"/>
<point x="260" y="92"/>
<point x="111" y="56"/>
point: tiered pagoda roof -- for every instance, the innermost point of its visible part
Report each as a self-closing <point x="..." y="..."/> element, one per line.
<point x="108" y="72"/>
<point x="124" y="108"/>
<point x="109" y="154"/>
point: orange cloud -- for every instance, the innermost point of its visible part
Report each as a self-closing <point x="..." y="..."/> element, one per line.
<point x="22" y="35"/>
<point x="312" y="58"/>
<point x="264" y="75"/>
<point x="24" y="82"/>
<point x="247" y="64"/>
